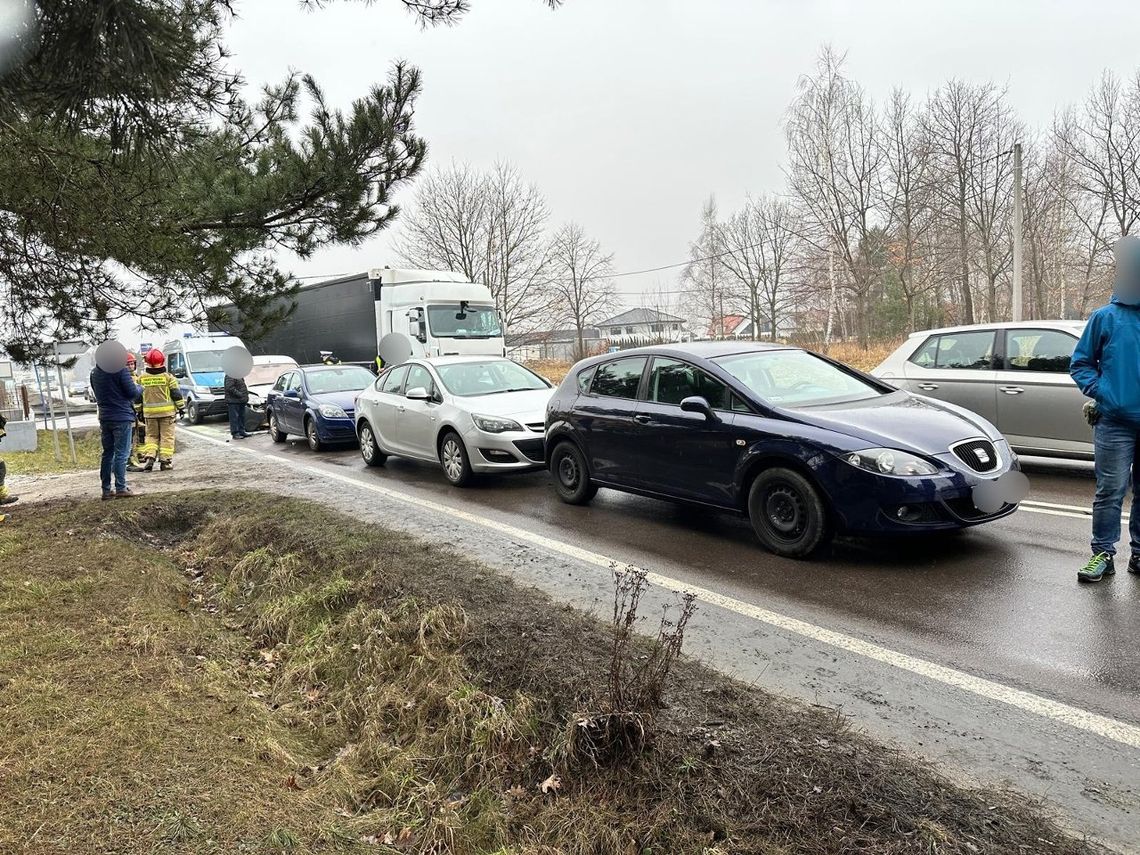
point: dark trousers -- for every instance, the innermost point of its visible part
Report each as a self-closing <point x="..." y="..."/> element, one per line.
<point x="237" y="419"/>
<point x="116" y="438"/>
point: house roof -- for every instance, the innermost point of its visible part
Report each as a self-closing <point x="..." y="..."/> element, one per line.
<point x="641" y="316"/>
<point x="552" y="336"/>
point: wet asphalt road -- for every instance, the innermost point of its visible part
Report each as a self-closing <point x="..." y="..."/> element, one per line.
<point x="999" y="602"/>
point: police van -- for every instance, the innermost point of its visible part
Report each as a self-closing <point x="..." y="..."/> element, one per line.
<point x="196" y="360"/>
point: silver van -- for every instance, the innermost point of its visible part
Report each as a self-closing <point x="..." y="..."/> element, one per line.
<point x="1016" y="375"/>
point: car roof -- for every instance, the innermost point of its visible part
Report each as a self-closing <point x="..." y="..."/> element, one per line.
<point x="699" y="349"/>
<point x="1006" y="325"/>
<point x="273" y="359"/>
<point x="459" y="360"/>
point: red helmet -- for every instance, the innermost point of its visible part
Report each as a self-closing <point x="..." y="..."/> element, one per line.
<point x="131" y="359"/>
<point x="154" y="358"/>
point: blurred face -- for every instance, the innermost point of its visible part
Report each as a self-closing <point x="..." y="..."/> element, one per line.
<point x="1127" y="252"/>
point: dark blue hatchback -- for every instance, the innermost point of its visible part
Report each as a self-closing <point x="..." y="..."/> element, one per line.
<point x="803" y="445"/>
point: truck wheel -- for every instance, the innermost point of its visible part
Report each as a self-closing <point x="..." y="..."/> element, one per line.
<point x="571" y="474"/>
<point x="192" y="414"/>
<point x="275" y="432"/>
<point x="312" y="436"/>
<point x="369" y="448"/>
<point x="787" y="513"/>
<point x="453" y="457"/>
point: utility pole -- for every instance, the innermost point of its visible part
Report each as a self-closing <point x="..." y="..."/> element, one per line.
<point x="1018" y="193"/>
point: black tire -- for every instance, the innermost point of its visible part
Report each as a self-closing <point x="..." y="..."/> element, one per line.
<point x="275" y="432"/>
<point x="571" y="474"/>
<point x="453" y="458"/>
<point x="369" y="447"/>
<point x="787" y="513"/>
<point x="312" y="437"/>
<point x="193" y="416"/>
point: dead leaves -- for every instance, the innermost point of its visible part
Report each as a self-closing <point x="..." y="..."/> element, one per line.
<point x="404" y="839"/>
<point x="551" y="785"/>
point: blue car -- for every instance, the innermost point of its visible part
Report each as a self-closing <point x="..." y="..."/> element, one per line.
<point x="317" y="402"/>
<point x="804" y="446"/>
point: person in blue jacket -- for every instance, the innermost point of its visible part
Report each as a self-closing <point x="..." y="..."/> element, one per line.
<point x="115" y="395"/>
<point x="1106" y="367"/>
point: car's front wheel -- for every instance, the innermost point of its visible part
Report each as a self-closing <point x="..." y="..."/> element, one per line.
<point x="787" y="513"/>
<point x="193" y="414"/>
<point x="312" y="436"/>
<point x="571" y="475"/>
<point x="453" y="457"/>
<point x="369" y="448"/>
<point x="275" y="432"/>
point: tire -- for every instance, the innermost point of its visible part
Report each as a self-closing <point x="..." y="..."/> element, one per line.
<point x="787" y="513"/>
<point x="275" y="432"/>
<point x="192" y="415"/>
<point x="571" y="474"/>
<point x="311" y="435"/>
<point x="453" y="458"/>
<point x="369" y="448"/>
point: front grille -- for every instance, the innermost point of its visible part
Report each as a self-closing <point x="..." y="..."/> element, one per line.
<point x="966" y="509"/>
<point x="217" y="390"/>
<point x="533" y="449"/>
<point x="537" y="427"/>
<point x="979" y="454"/>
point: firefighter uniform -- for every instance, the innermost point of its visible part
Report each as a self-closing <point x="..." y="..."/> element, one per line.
<point x="161" y="399"/>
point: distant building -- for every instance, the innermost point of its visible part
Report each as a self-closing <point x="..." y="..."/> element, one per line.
<point x="645" y="325"/>
<point x="557" y="345"/>
<point x="740" y="326"/>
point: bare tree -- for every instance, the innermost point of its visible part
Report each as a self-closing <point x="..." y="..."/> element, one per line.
<point x="491" y="227"/>
<point x="580" y="280"/>
<point x="836" y="157"/>
<point x="703" y="278"/>
<point x="758" y="246"/>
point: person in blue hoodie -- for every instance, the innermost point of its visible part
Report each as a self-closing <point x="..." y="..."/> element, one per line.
<point x="1106" y="367"/>
<point x="115" y="395"/>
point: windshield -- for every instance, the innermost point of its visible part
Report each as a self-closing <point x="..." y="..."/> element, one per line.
<point x="345" y="378"/>
<point x="205" y="361"/>
<point x="267" y="373"/>
<point x="795" y="378"/>
<point x="467" y="379"/>
<point x="478" y="322"/>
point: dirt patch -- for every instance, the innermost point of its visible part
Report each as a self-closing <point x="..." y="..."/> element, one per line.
<point x="425" y="700"/>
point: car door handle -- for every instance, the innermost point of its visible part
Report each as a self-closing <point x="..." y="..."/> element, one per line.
<point x="927" y="387"/>
<point x="1012" y="390"/>
<point x="643" y="419"/>
<point x="399" y="409"/>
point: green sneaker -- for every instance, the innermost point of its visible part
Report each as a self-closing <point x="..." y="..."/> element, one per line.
<point x="1099" y="566"/>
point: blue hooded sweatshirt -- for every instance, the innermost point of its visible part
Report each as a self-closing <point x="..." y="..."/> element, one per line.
<point x="1106" y="362"/>
<point x="115" y="394"/>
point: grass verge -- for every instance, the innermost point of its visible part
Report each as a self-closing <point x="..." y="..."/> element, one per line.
<point x="229" y="672"/>
<point x="88" y="451"/>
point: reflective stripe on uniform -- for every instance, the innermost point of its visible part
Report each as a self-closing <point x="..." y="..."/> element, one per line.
<point x="157" y="400"/>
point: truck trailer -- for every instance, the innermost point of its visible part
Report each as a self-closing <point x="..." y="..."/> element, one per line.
<point x="395" y="314"/>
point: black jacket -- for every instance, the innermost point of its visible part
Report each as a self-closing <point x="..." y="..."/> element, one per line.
<point x="236" y="391"/>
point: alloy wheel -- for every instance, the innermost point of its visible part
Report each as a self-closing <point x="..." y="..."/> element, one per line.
<point x="452" y="459"/>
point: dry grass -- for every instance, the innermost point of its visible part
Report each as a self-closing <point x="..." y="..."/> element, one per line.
<point x="553" y="370"/>
<point x="222" y="672"/>
<point x="88" y="450"/>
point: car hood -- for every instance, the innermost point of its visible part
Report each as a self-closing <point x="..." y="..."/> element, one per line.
<point x="261" y="389"/>
<point x="528" y="406"/>
<point x="344" y="400"/>
<point x="901" y="420"/>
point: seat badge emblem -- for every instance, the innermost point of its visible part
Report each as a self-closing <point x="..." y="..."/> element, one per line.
<point x="982" y="455"/>
<point x="740" y="442"/>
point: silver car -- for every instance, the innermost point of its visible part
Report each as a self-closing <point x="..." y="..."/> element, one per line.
<point x="1015" y="375"/>
<point x="470" y="414"/>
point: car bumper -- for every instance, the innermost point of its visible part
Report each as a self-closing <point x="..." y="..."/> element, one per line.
<point x="865" y="503"/>
<point x="504" y="452"/>
<point x="336" y="430"/>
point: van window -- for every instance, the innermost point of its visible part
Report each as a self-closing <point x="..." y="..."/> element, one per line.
<point x="205" y="361"/>
<point x="620" y="378"/>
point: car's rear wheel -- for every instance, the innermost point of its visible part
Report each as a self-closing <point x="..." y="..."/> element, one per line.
<point x="453" y="458"/>
<point x="312" y="436"/>
<point x="369" y="448"/>
<point x="275" y="432"/>
<point x="787" y="513"/>
<point x="571" y="474"/>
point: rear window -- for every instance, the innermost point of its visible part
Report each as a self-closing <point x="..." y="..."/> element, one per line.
<point x="584" y="378"/>
<point x="620" y="378"/>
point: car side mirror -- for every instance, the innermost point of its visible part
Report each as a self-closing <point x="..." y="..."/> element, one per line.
<point x="180" y="373"/>
<point x="697" y="404"/>
<point x="417" y="394"/>
<point x="292" y="393"/>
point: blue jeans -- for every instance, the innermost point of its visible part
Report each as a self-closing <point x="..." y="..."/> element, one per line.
<point x="116" y="451"/>
<point x="1115" y="446"/>
<point x="237" y="419"/>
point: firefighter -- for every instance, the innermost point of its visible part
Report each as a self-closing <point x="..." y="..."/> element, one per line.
<point x="161" y="399"/>
<point x="138" y="435"/>
<point x="6" y="498"/>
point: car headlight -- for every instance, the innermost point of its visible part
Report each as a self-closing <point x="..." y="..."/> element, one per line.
<point x="890" y="461"/>
<point x="495" y="424"/>
<point x="332" y="411"/>
<point x="201" y="390"/>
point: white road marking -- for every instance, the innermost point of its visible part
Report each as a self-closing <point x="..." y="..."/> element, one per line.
<point x="1108" y="728"/>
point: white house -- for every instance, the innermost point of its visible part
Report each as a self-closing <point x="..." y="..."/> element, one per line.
<point x="650" y="325"/>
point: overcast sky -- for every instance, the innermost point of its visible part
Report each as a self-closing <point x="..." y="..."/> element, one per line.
<point x="628" y="113"/>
